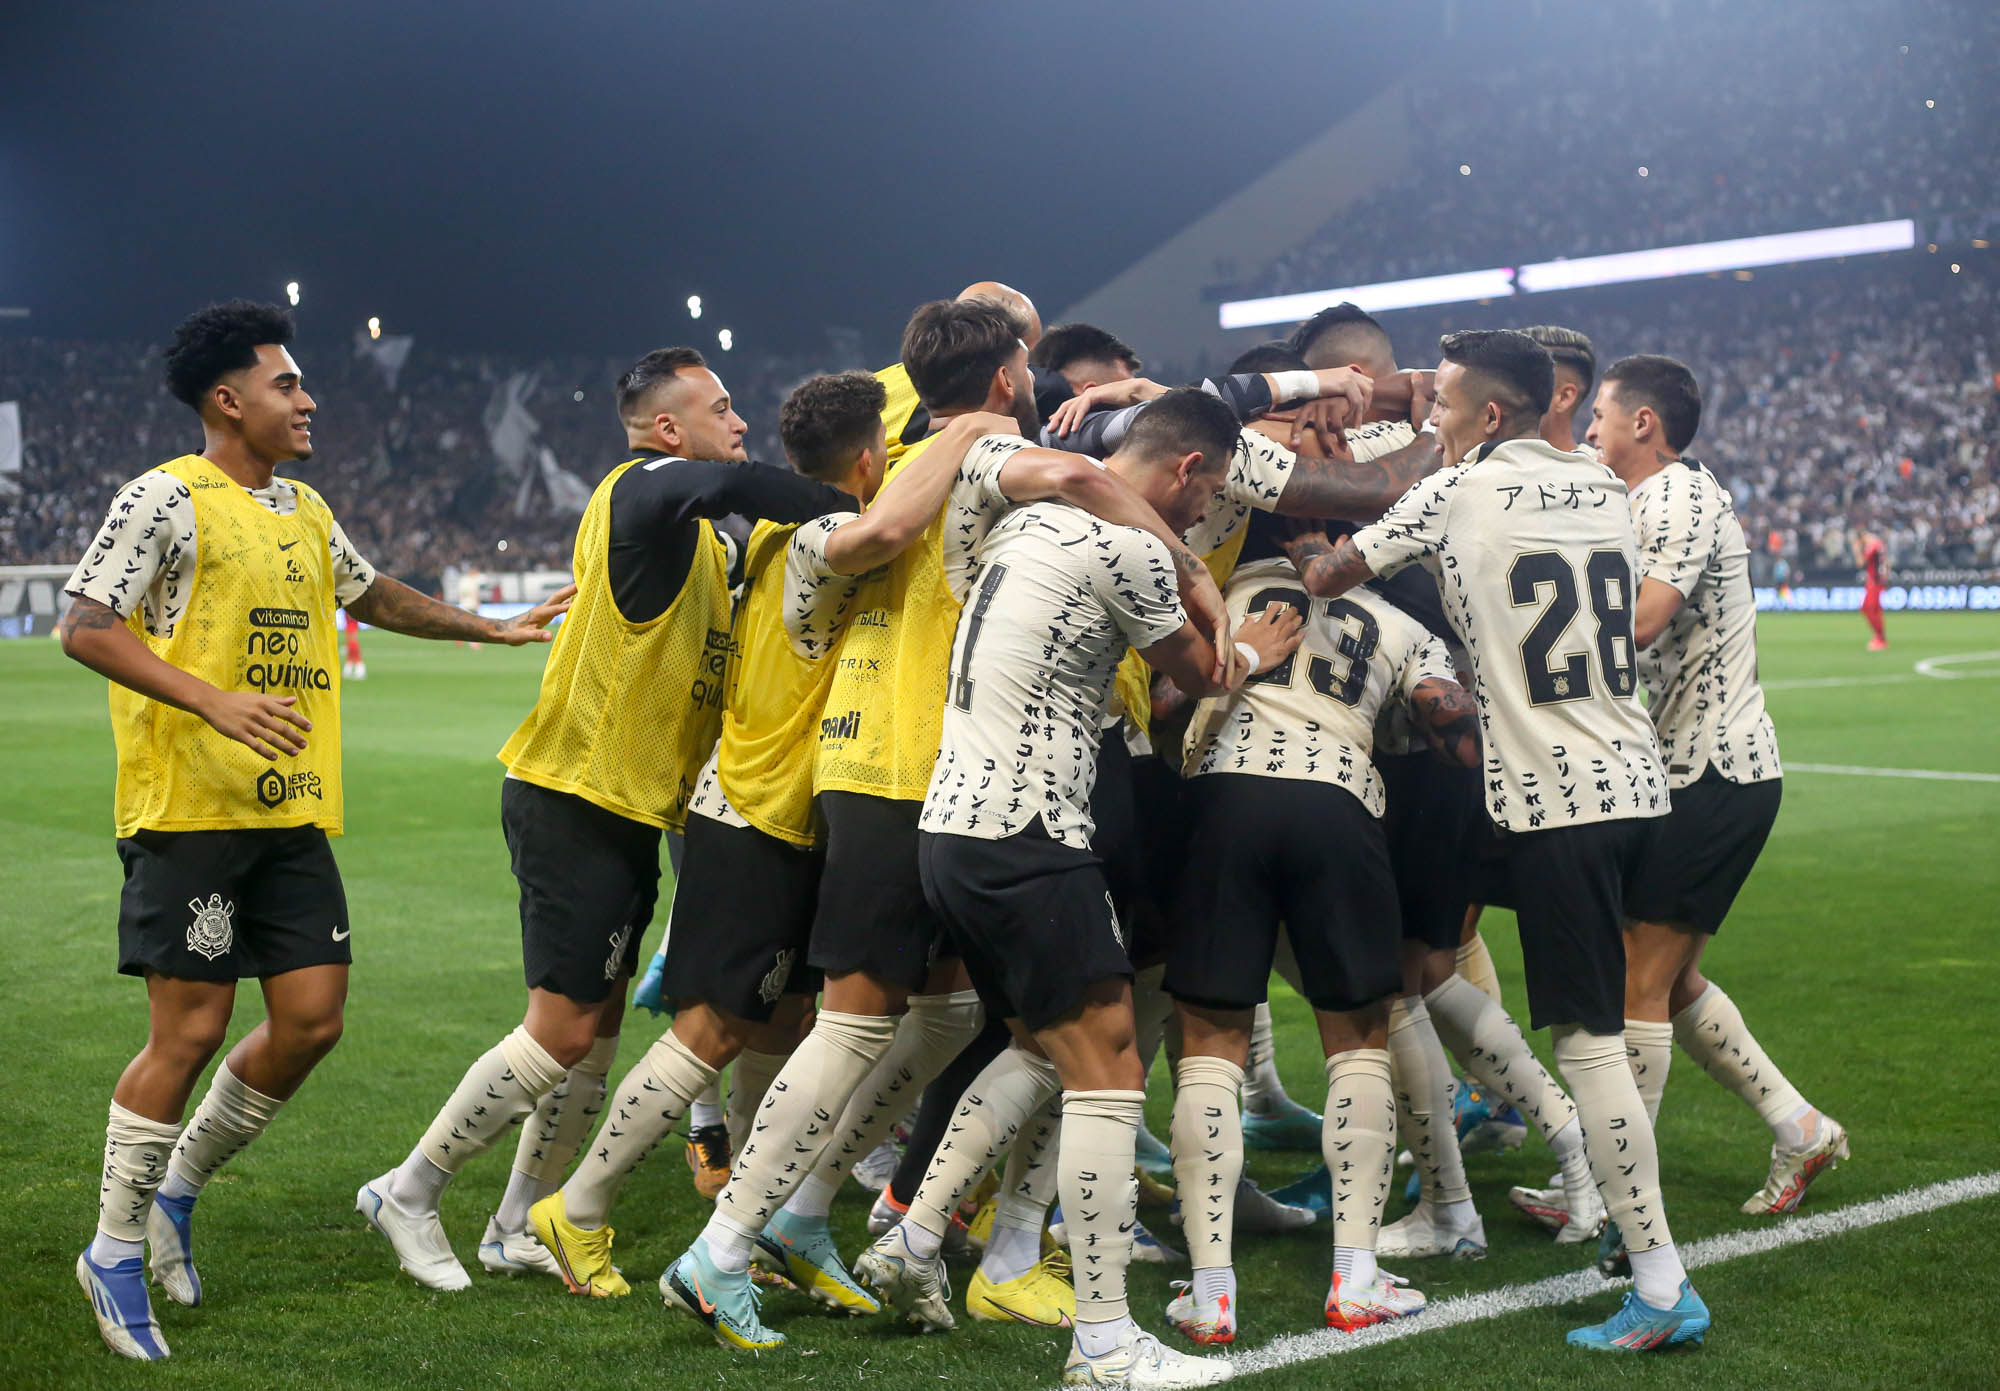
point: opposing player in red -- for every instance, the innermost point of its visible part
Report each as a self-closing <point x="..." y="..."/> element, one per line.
<point x="1868" y="553"/>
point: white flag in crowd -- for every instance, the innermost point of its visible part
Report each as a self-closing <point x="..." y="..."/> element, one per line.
<point x="388" y="354"/>
<point x="510" y="427"/>
<point x="10" y="446"/>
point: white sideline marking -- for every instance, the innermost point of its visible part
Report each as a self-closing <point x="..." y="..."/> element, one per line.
<point x="1817" y="683"/>
<point x="1929" y="665"/>
<point x="1567" y="1289"/>
<point x="1934" y="774"/>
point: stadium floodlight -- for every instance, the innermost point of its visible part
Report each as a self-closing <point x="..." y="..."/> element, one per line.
<point x="1496" y="283"/>
<point x="374" y="328"/>
<point x="726" y="339"/>
<point x="1708" y="258"/>
<point x="292" y="292"/>
<point x="694" y="306"/>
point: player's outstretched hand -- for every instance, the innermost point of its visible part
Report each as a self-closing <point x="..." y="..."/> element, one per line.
<point x="533" y="626"/>
<point x="267" y="724"/>
<point x="1064" y="419"/>
<point x="1275" y="633"/>
<point x="1319" y="428"/>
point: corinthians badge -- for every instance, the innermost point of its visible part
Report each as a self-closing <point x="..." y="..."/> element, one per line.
<point x="210" y="933"/>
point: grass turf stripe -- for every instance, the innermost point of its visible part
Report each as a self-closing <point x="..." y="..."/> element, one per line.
<point x="1933" y="774"/>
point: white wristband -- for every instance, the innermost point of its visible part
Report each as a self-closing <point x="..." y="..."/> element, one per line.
<point x="1250" y="656"/>
<point x="1296" y="386"/>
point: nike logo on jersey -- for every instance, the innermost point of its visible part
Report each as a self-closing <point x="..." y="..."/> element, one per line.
<point x="286" y="545"/>
<point x="341" y="934"/>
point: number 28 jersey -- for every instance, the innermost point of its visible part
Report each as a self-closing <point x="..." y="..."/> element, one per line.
<point x="1537" y="565"/>
<point x="1312" y="716"/>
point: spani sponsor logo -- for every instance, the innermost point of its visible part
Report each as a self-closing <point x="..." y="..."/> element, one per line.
<point x="846" y="726"/>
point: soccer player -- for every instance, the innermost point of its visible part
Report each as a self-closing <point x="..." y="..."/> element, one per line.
<point x="630" y="706"/>
<point x="1696" y="628"/>
<point x="1084" y="355"/>
<point x="1868" y="554"/>
<point x="1280" y="771"/>
<point x="1576" y="372"/>
<point x="1006" y="859"/>
<point x="1537" y="561"/>
<point x="735" y="972"/>
<point x="207" y="600"/>
<point x="873" y="934"/>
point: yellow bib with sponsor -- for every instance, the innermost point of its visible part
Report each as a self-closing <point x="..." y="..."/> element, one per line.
<point x="259" y="617"/>
<point x="885" y="709"/>
<point x="771" y="708"/>
<point x="629" y="711"/>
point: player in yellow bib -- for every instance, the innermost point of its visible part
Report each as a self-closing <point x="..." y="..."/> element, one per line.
<point x="630" y="705"/>
<point x="208" y="599"/>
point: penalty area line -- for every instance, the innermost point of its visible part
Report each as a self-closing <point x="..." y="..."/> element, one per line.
<point x="1296" y="1348"/>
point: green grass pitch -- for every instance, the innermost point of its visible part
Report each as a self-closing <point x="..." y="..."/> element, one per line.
<point x="1862" y="953"/>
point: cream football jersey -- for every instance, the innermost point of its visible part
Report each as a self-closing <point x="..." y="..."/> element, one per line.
<point x="1537" y="564"/>
<point x="1700" y="674"/>
<point x="1058" y="599"/>
<point x="1312" y="717"/>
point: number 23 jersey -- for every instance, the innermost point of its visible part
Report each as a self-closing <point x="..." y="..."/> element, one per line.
<point x="1537" y="566"/>
<point x="1312" y="716"/>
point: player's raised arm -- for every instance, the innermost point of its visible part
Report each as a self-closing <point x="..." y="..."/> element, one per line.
<point x="910" y="502"/>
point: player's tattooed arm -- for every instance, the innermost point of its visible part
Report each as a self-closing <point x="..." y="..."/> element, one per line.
<point x="391" y="604"/>
<point x="1329" y="568"/>
<point x="1355" y="490"/>
<point x="1449" y="718"/>
<point x="94" y="634"/>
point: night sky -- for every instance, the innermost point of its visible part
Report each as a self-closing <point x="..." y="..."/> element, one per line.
<point x="560" y="177"/>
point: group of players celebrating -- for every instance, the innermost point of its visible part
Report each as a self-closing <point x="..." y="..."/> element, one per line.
<point x="1044" y="712"/>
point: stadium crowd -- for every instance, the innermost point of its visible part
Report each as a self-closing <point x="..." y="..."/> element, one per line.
<point x="1571" y="184"/>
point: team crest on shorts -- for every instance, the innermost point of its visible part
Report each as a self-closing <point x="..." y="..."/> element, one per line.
<point x="1117" y="927"/>
<point x="615" y="962"/>
<point x="210" y="934"/>
<point x="773" y="984"/>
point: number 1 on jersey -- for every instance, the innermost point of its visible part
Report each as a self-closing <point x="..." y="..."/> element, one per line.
<point x="961" y="680"/>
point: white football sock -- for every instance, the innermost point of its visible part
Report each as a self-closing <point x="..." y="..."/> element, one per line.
<point x="707" y="1109"/>
<point x="1005" y="1095"/>
<point x="551" y="1137"/>
<point x="1422" y="1081"/>
<point x="749" y="1078"/>
<point x="136" y="1149"/>
<point x="1358" y="1142"/>
<point x="1100" y="1201"/>
<point x="1487" y="1041"/>
<point x="1712" y="1032"/>
<point x="935" y="1031"/>
<point x="1649" y="1052"/>
<point x="792" y="1125"/>
<point x="1207" y="1143"/>
<point x="1475" y="964"/>
<point x="503" y="1084"/>
<point x="1619" y="1140"/>
<point x="1262" y="1091"/>
<point x="1027" y="1188"/>
<point x="1211" y="1283"/>
<point x="229" y="1117"/>
<point x="649" y="1102"/>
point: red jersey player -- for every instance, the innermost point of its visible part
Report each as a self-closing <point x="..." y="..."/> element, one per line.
<point x="1868" y="550"/>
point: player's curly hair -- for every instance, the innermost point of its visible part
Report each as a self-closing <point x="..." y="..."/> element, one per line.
<point x="829" y="419"/>
<point x="1515" y="370"/>
<point x="223" y="338"/>
<point x="1664" y="385"/>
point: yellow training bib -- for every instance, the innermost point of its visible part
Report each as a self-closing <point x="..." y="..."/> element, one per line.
<point x="259" y="617"/>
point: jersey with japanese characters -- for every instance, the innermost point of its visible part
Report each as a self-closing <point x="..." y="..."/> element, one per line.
<point x="1312" y="717"/>
<point x="1537" y="566"/>
<point x="1060" y="597"/>
<point x="1700" y="674"/>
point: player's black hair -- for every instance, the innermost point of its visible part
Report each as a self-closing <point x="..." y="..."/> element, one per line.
<point x="652" y="370"/>
<point x="1277" y="355"/>
<point x="223" y="338"/>
<point x="1570" y="349"/>
<point x="952" y="348"/>
<point x="1067" y="343"/>
<point x="1186" y="418"/>
<point x="1346" y="331"/>
<point x="828" y="419"/>
<point x="1514" y="368"/>
<point x="1664" y="385"/>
